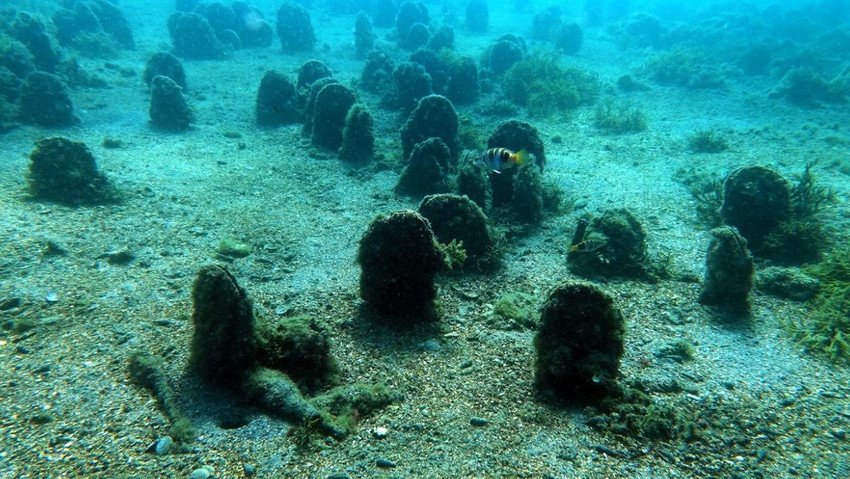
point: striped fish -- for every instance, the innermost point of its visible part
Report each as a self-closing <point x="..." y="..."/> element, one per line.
<point x="498" y="159"/>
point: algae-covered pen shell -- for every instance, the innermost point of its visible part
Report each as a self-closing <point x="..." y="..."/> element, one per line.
<point x="469" y="238"/>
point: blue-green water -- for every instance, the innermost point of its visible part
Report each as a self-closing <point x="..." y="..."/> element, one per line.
<point x="390" y="355"/>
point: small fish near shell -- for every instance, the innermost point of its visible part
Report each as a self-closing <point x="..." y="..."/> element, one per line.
<point x="588" y="246"/>
<point x="498" y="159"/>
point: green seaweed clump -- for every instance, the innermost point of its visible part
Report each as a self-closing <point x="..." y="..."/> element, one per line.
<point x="299" y="347"/>
<point x="803" y="87"/>
<point x="540" y="83"/>
<point x="352" y="402"/>
<point x="454" y="254"/>
<point x="801" y="237"/>
<point x="684" y="67"/>
<point x="309" y="434"/>
<point x="553" y="197"/>
<point x="619" y="118"/>
<point x="706" y="188"/>
<point x="807" y="197"/>
<point x="826" y="331"/>
<point x="709" y="198"/>
<point x="707" y="141"/>
<point x="514" y="311"/>
<point x="628" y="83"/>
<point x="632" y="412"/>
<point x="796" y="241"/>
<point x="230" y="248"/>
<point x="338" y="411"/>
<point x="147" y="370"/>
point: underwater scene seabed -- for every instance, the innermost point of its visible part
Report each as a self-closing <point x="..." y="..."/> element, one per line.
<point x="401" y="239"/>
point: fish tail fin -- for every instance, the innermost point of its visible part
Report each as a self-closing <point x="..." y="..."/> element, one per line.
<point x="523" y="157"/>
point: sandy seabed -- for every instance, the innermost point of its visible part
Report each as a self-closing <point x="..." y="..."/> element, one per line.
<point x="776" y="410"/>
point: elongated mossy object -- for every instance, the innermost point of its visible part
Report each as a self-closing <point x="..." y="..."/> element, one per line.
<point x="223" y="344"/>
<point x="147" y="370"/>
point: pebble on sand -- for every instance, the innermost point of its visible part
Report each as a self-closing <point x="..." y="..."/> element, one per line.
<point x="162" y="445"/>
<point x="478" y="421"/>
<point x="204" y="472"/>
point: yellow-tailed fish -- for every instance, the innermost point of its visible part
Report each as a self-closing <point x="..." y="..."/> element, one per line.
<point x="588" y="246"/>
<point x="498" y="159"/>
